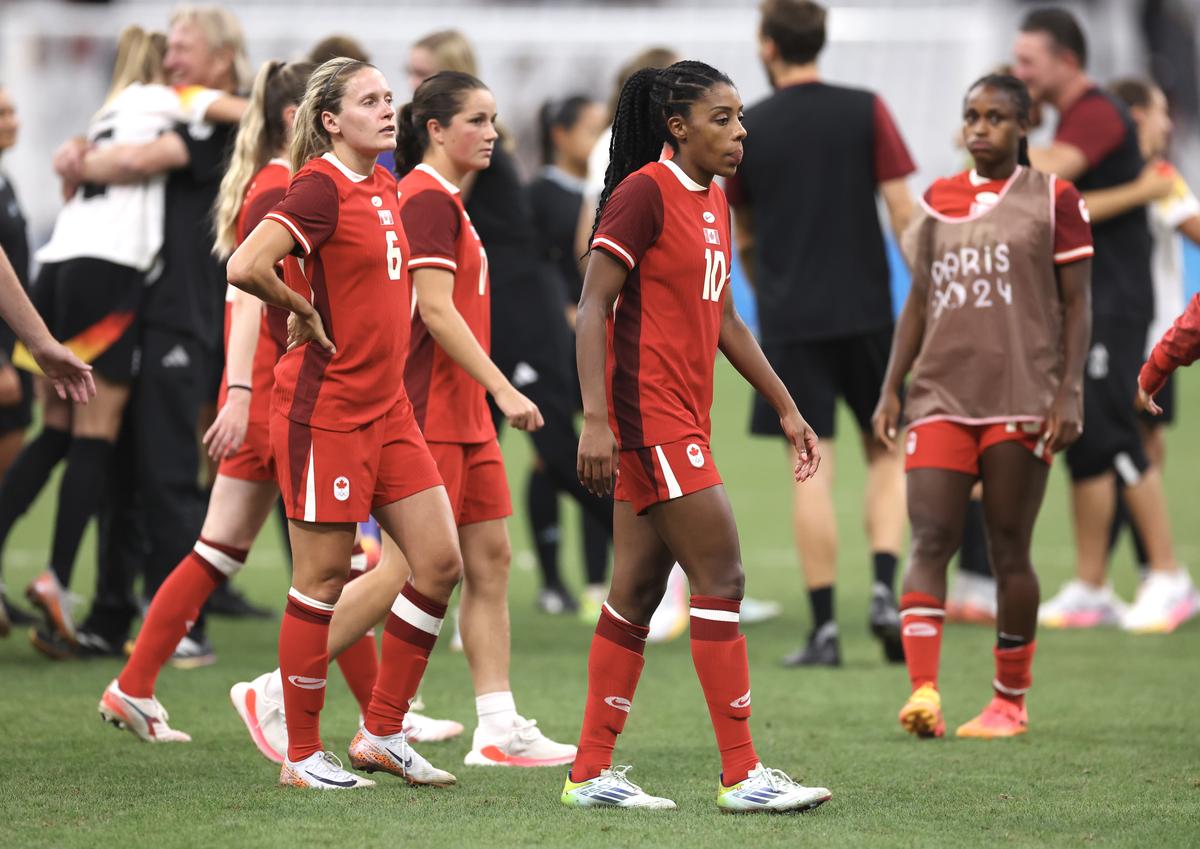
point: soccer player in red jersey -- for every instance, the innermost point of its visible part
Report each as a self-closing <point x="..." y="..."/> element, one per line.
<point x="995" y="334"/>
<point x="1179" y="346"/>
<point x="343" y="435"/>
<point x="654" y="310"/>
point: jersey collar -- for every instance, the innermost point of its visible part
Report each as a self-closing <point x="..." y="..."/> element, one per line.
<point x="687" y="182"/>
<point x="433" y="172"/>
<point x="352" y="176"/>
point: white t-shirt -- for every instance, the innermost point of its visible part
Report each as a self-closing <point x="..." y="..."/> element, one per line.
<point x="1166" y="258"/>
<point x="123" y="223"/>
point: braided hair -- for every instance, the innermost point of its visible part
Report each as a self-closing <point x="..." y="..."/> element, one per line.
<point x="649" y="98"/>
<point x="1015" y="89"/>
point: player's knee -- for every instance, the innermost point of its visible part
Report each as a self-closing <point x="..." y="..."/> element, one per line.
<point x="934" y="542"/>
<point x="1008" y="549"/>
<point x="726" y="582"/>
<point x="446" y="569"/>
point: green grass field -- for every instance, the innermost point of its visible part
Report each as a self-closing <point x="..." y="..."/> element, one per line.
<point x="1113" y="757"/>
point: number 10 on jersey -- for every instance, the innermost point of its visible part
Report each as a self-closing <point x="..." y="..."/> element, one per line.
<point x="714" y="274"/>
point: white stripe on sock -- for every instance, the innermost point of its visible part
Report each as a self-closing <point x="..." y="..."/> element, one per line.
<point x="922" y="611"/>
<point x="1008" y="691"/>
<point x="311" y="602"/>
<point x="715" y="615"/>
<point x="218" y="559"/>
<point x="415" y="616"/>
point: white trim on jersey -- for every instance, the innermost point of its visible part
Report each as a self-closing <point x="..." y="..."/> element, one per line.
<point x="415" y="616"/>
<point x="715" y="615"/>
<point x="218" y="559"/>
<point x="292" y="228"/>
<point x="427" y="261"/>
<point x="353" y="176"/>
<point x="605" y="242"/>
<point x="432" y="172"/>
<point x="1077" y="253"/>
<point x="307" y="600"/>
<point x="673" y="488"/>
<point x="310" y="487"/>
<point x="684" y="180"/>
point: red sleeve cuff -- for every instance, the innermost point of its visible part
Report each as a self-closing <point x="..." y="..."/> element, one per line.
<point x="1152" y="378"/>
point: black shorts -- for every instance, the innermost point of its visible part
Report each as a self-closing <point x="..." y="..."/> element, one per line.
<point x="91" y="306"/>
<point x="818" y="372"/>
<point x="19" y="416"/>
<point x="1111" y="439"/>
<point x="1166" y="400"/>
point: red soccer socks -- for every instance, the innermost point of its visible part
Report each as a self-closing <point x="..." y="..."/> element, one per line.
<point x="719" y="654"/>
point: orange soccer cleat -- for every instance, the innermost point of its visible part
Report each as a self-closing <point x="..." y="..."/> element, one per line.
<point x="1001" y="718"/>
<point x="922" y="713"/>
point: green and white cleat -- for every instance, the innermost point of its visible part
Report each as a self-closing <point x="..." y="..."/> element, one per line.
<point x="769" y="790"/>
<point x="611" y="789"/>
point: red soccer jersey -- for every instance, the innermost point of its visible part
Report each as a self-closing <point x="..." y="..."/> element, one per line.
<point x="352" y="269"/>
<point x="1179" y="346"/>
<point x="967" y="194"/>
<point x="266" y="189"/>
<point x="673" y="236"/>
<point x="449" y="404"/>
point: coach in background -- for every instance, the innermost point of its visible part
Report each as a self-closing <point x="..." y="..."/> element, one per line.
<point x="809" y="236"/>
<point x="156" y="507"/>
<point x="1096" y="147"/>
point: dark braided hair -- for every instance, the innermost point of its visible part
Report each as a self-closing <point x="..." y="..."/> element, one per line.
<point x="649" y="98"/>
<point x="1015" y="89"/>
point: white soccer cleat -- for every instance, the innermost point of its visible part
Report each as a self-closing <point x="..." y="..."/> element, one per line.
<point x="263" y="717"/>
<point x="972" y="598"/>
<point x="393" y="755"/>
<point x="756" y="610"/>
<point x="1081" y="605"/>
<point x="321" y="771"/>
<point x="525" y="745"/>
<point x="671" y="617"/>
<point x="1165" y="600"/>
<point x="611" y="789"/>
<point x="771" y="791"/>
<point x="425" y="729"/>
<point x="145" y="718"/>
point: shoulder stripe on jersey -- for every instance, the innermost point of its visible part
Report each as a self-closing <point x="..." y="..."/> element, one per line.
<point x="1077" y="253"/>
<point x="293" y="228"/>
<point x="425" y="261"/>
<point x="605" y="242"/>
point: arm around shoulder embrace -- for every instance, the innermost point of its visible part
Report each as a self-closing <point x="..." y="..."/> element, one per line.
<point x="434" y="291"/>
<point x="133" y="163"/>
<point x="742" y="350"/>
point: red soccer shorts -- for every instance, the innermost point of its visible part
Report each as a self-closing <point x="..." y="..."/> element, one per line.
<point x="662" y="472"/>
<point x="475" y="480"/>
<point x="339" y="476"/>
<point x="957" y="447"/>
<point x="252" y="461"/>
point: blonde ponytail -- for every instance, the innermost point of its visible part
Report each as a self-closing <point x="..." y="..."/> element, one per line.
<point x="140" y="57"/>
<point x="261" y="134"/>
<point x="326" y="87"/>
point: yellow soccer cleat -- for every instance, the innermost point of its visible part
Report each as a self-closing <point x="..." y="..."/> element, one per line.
<point x="922" y="713"/>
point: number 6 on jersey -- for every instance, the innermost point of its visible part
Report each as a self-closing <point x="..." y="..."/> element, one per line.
<point x="714" y="274"/>
<point x="395" y="259"/>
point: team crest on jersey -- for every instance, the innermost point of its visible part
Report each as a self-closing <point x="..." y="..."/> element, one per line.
<point x="695" y="455"/>
<point x="376" y="201"/>
<point x="709" y="217"/>
<point x="385" y="217"/>
<point x="710" y="236"/>
<point x="341" y="488"/>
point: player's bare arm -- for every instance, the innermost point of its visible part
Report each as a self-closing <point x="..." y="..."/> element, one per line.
<point x="743" y="237"/>
<point x="906" y="344"/>
<point x="133" y="163"/>
<point x="597" y="461"/>
<point x="252" y="269"/>
<point x="1191" y="229"/>
<point x="434" y="288"/>
<point x="1153" y="183"/>
<point x="1064" y="421"/>
<point x="899" y="202"/>
<point x="228" y="430"/>
<point x="738" y="344"/>
<point x="1060" y="158"/>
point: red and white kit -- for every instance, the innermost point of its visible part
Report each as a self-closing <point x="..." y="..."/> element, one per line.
<point x="451" y="406"/>
<point x="674" y="237"/>
<point x="343" y="433"/>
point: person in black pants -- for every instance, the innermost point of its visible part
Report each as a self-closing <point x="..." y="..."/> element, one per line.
<point x="569" y="129"/>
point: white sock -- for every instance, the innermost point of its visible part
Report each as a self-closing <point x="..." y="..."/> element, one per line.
<point x="274" y="687"/>
<point x="497" y="712"/>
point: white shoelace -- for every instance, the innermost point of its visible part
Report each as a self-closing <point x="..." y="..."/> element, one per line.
<point x="619" y="776"/>
<point x="777" y="779"/>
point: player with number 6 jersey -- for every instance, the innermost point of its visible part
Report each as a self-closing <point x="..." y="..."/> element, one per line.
<point x="654" y="311"/>
<point x="995" y="334"/>
<point x="343" y="435"/>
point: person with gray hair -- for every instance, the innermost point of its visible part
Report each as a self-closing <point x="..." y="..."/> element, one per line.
<point x="155" y="508"/>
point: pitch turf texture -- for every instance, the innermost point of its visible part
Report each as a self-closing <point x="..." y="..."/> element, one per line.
<point x="1113" y="757"/>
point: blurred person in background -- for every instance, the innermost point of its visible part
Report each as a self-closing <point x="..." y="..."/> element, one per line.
<point x="333" y="46"/>
<point x="1096" y="147"/>
<point x="155" y="507"/>
<point x="95" y="270"/>
<point x="568" y="129"/>
<point x="809" y="235"/>
<point x="16" y="385"/>
<point x="1174" y="213"/>
<point x="530" y="340"/>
